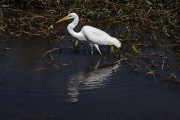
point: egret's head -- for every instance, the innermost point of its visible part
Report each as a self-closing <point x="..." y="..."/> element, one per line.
<point x="70" y="16"/>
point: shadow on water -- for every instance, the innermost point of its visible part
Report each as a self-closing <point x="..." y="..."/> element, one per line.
<point x="85" y="88"/>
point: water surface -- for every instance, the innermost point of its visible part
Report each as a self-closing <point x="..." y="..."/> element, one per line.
<point x="83" y="87"/>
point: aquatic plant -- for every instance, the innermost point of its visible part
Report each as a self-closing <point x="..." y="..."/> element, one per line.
<point x="147" y="24"/>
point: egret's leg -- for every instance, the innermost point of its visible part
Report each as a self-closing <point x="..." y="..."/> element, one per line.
<point x="97" y="47"/>
<point x="92" y="49"/>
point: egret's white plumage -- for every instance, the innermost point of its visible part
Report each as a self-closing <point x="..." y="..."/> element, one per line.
<point x="92" y="35"/>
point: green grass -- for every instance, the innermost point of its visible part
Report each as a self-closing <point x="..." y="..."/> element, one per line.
<point x="149" y="24"/>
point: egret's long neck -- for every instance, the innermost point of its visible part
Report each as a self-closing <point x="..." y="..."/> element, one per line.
<point x="71" y="27"/>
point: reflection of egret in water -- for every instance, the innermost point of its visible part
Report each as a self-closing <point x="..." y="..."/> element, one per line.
<point x="96" y="78"/>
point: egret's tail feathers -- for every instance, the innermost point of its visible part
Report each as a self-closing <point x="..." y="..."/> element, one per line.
<point x="117" y="43"/>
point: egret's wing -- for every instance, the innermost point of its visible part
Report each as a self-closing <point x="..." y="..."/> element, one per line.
<point x="96" y="36"/>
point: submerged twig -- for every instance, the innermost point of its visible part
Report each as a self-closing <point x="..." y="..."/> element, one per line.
<point x="49" y="51"/>
<point x="120" y="60"/>
<point x="41" y="69"/>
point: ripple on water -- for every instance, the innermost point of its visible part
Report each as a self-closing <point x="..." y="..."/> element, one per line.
<point x="90" y="84"/>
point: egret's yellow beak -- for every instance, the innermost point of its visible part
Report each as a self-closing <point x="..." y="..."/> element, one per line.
<point x="63" y="19"/>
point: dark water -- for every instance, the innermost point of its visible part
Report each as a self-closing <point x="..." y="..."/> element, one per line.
<point x="85" y="89"/>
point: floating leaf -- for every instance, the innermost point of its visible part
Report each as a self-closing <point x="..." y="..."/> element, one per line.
<point x="150" y="73"/>
<point x="60" y="38"/>
<point x="1" y="28"/>
<point x="148" y="2"/>
<point x="135" y="48"/>
<point x="51" y="27"/>
<point x="173" y="75"/>
<point x="112" y="49"/>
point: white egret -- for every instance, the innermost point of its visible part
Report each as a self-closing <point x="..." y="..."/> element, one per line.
<point x="92" y="35"/>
